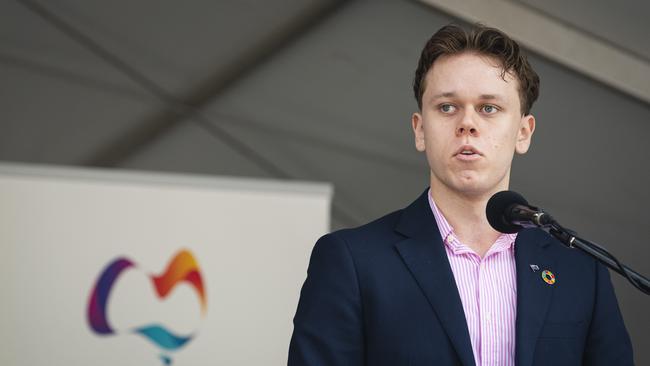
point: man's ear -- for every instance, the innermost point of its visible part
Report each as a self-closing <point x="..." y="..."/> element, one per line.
<point x="525" y="133"/>
<point x="418" y="131"/>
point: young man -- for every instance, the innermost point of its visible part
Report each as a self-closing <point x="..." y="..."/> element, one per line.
<point x="434" y="284"/>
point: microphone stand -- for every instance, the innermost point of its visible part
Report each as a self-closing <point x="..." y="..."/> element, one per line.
<point x="571" y="240"/>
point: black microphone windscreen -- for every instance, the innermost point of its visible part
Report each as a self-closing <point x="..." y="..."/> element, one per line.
<point x="497" y="208"/>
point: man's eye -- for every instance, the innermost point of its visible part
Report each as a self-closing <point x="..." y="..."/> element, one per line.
<point x="489" y="109"/>
<point x="447" y="108"/>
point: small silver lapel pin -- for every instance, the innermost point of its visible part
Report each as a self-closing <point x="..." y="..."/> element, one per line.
<point x="534" y="267"/>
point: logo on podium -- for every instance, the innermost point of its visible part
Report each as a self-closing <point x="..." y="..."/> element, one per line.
<point x="182" y="268"/>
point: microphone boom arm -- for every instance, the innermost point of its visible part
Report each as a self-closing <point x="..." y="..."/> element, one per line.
<point x="571" y="240"/>
<point x="509" y="212"/>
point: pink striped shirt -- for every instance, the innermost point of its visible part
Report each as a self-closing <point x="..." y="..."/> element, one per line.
<point x="488" y="291"/>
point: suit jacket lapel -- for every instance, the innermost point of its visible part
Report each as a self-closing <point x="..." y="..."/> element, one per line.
<point x="533" y="294"/>
<point x="424" y="254"/>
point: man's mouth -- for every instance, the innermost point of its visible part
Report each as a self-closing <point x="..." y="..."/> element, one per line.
<point x="467" y="150"/>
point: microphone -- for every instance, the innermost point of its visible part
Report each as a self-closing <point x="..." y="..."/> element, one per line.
<point x="508" y="212"/>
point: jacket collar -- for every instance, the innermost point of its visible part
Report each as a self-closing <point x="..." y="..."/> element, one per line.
<point x="423" y="253"/>
<point x="533" y="294"/>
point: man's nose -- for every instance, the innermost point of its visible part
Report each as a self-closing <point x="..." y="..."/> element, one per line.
<point x="467" y="124"/>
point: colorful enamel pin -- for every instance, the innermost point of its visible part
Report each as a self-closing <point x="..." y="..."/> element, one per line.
<point x="548" y="277"/>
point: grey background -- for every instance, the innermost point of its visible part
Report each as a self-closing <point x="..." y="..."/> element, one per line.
<point x="322" y="90"/>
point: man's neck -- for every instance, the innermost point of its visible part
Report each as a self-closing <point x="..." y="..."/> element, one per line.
<point x="466" y="215"/>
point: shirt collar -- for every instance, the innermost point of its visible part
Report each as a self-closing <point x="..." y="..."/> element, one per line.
<point x="503" y="242"/>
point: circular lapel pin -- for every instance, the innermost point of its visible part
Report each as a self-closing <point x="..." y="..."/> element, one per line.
<point x="548" y="277"/>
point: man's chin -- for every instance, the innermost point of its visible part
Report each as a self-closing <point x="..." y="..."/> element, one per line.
<point x="472" y="188"/>
<point x="467" y="184"/>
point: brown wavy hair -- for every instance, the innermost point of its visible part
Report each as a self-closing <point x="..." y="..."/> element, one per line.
<point x="452" y="39"/>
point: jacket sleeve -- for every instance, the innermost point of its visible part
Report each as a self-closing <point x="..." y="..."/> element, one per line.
<point x="328" y="327"/>
<point x="608" y="342"/>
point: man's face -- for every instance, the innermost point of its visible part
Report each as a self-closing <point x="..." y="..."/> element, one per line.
<point x="471" y="124"/>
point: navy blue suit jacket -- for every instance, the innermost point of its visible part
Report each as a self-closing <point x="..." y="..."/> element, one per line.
<point x="384" y="294"/>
